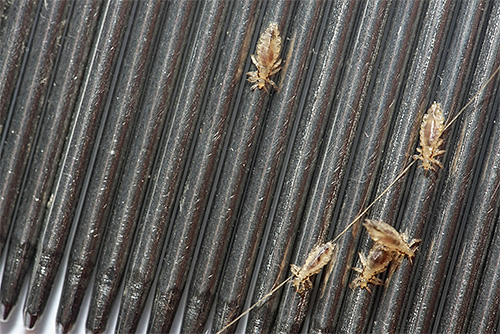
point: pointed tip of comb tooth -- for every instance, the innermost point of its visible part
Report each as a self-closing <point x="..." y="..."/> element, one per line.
<point x="30" y="320"/>
<point x="5" y="311"/>
<point x="89" y="331"/>
<point x="60" y="329"/>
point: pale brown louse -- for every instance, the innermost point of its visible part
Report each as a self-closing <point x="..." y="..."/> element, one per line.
<point x="319" y="257"/>
<point x="371" y="272"/>
<point x="267" y="58"/>
<point x="430" y="137"/>
<point x="390" y="247"/>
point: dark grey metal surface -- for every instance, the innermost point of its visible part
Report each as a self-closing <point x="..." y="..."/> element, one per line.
<point x="268" y="161"/>
<point x="166" y="176"/>
<point x="47" y="152"/>
<point x="303" y="157"/>
<point x="69" y="179"/>
<point x="338" y="140"/>
<point x="152" y="116"/>
<point x="226" y="186"/>
<point x="424" y="186"/>
<point x="26" y="110"/>
<point x="110" y="156"/>
<point x="355" y="310"/>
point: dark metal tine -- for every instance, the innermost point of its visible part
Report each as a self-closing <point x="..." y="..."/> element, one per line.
<point x="219" y="113"/>
<point x="299" y="172"/>
<point x="45" y="156"/>
<point x="265" y="179"/>
<point x="26" y="109"/>
<point x="109" y="160"/>
<point x="422" y="194"/>
<point x="145" y="257"/>
<point x="471" y="252"/>
<point x="200" y="205"/>
<point x="16" y="30"/>
<point x="326" y="313"/>
<point x="402" y="33"/>
<point x="456" y="187"/>
<point x="486" y="307"/>
<point x="4" y="9"/>
<point x="75" y="159"/>
<point x="234" y="173"/>
<point x="414" y="103"/>
<point x="341" y="127"/>
<point x="135" y="174"/>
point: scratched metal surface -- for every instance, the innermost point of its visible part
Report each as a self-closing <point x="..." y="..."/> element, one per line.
<point x="128" y="129"/>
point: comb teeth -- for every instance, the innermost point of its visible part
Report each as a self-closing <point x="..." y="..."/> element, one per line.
<point x="142" y="176"/>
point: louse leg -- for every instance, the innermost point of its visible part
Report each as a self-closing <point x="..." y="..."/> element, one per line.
<point x="253" y="77"/>
<point x="307" y="284"/>
<point x="376" y="281"/>
<point x="265" y="86"/>
<point x="275" y="68"/>
<point x="302" y="286"/>
<point x="255" y="62"/>
<point x="273" y="84"/>
<point x="418" y="156"/>
<point x="274" y="71"/>
<point x="438" y="152"/>
<point x="411" y="252"/>
<point x="358" y="281"/>
<point x="363" y="283"/>
<point x="396" y="262"/>
<point x="363" y="260"/>
<point x="297" y="282"/>
<point x="437" y="162"/>
<point x="414" y="245"/>
<point x="430" y="161"/>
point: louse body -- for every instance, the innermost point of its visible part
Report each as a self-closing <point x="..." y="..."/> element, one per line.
<point x="386" y="235"/>
<point x="390" y="247"/>
<point x="377" y="261"/>
<point x="319" y="257"/>
<point x="430" y="137"/>
<point x="267" y="58"/>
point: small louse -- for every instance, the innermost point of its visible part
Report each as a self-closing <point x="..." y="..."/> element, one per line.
<point x="430" y="137"/>
<point x="319" y="257"/>
<point x="386" y="235"/>
<point x="267" y="58"/>
<point x="390" y="247"/>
